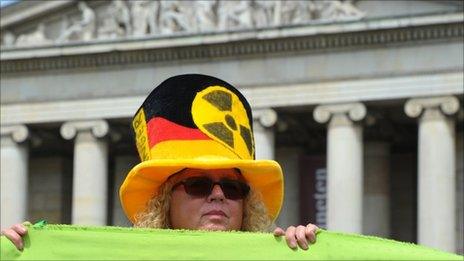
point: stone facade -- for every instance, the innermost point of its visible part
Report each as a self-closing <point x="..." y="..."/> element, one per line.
<point x="347" y="95"/>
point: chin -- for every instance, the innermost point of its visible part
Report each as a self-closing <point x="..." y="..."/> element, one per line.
<point x="214" y="227"/>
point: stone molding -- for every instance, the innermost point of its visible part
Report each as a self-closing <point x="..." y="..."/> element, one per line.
<point x="222" y="46"/>
<point x="448" y="105"/>
<point x="403" y="87"/>
<point x="355" y="111"/>
<point x="19" y="133"/>
<point x="99" y="128"/>
<point x="266" y="117"/>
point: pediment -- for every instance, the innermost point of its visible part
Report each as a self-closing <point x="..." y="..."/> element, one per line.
<point x="45" y="23"/>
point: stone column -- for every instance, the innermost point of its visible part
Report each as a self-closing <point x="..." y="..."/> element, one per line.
<point x="344" y="165"/>
<point x="376" y="207"/>
<point x="14" y="170"/>
<point x="90" y="178"/>
<point x="436" y="178"/>
<point x="263" y="121"/>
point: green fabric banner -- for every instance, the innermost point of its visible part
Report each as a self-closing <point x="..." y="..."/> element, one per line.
<point x="64" y="242"/>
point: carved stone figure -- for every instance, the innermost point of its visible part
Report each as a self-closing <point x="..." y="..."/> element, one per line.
<point x="235" y="15"/>
<point x="145" y="17"/>
<point x="173" y="16"/>
<point x="35" y="38"/>
<point x="82" y="29"/>
<point x="139" y="15"/>
<point x="288" y="12"/>
<point x="264" y="13"/>
<point x="121" y="14"/>
<point x="303" y="11"/>
<point x="205" y="14"/>
<point x="153" y="16"/>
<point x="110" y="29"/>
<point x="8" y="39"/>
<point x="340" y="10"/>
<point x="123" y="18"/>
<point x="313" y="9"/>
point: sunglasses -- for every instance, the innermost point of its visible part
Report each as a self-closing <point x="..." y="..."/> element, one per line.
<point x="203" y="186"/>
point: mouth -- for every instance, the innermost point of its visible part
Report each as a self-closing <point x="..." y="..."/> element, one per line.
<point x="215" y="213"/>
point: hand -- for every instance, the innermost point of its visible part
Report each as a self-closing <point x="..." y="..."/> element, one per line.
<point x="299" y="234"/>
<point x="15" y="234"/>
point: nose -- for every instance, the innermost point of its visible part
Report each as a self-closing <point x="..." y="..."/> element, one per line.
<point x="216" y="194"/>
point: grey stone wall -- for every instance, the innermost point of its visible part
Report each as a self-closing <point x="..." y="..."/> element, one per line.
<point x="123" y="164"/>
<point x="288" y="159"/>
<point x="49" y="189"/>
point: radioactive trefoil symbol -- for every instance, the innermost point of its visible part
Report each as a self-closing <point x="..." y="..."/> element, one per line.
<point x="225" y="130"/>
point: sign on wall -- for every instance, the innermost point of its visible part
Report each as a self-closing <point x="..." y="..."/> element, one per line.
<point x="313" y="190"/>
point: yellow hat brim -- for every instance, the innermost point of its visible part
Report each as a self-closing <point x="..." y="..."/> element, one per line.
<point x="143" y="181"/>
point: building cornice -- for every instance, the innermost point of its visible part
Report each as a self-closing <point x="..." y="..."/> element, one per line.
<point x="236" y="44"/>
<point x="24" y="10"/>
<point x="356" y="90"/>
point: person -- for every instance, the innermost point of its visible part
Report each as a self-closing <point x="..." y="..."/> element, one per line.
<point x="198" y="169"/>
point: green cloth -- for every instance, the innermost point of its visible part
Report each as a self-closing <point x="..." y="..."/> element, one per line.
<point x="60" y="242"/>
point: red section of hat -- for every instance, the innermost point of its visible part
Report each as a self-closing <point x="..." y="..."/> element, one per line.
<point x="160" y="129"/>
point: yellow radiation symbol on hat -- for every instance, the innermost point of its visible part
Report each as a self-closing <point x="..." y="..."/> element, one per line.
<point x="220" y="114"/>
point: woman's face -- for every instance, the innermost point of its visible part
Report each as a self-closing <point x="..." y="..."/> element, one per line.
<point x="211" y="212"/>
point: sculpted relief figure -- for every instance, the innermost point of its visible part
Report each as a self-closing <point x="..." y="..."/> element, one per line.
<point x="314" y="9"/>
<point x="264" y="13"/>
<point x="288" y="12"/>
<point x="340" y="10"/>
<point x="123" y="18"/>
<point x="8" y="39"/>
<point x="145" y="15"/>
<point x="153" y="16"/>
<point x="173" y="17"/>
<point x="116" y="21"/>
<point x="235" y="15"/>
<point x="35" y="38"/>
<point x="205" y="14"/>
<point x="82" y="29"/>
<point x="110" y="28"/>
<point x="121" y="14"/>
<point x="303" y="11"/>
<point x="299" y="12"/>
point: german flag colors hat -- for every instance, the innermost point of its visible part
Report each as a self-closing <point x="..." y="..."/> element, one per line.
<point x="196" y="121"/>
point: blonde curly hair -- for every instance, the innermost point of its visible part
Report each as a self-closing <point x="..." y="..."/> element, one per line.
<point x="156" y="214"/>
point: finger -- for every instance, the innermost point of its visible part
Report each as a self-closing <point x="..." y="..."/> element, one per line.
<point x="300" y="235"/>
<point x="26" y="223"/>
<point x="311" y="230"/>
<point x="279" y="231"/>
<point x="20" y="229"/>
<point x="14" y="237"/>
<point x="290" y="237"/>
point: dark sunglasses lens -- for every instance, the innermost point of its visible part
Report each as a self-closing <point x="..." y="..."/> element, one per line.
<point x="198" y="187"/>
<point x="234" y="189"/>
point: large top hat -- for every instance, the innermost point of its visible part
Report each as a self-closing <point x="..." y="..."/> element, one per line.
<point x="196" y="121"/>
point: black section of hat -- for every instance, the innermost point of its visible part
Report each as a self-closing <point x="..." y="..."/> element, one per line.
<point x="173" y="98"/>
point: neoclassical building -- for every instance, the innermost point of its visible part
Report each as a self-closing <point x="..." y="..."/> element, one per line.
<point x="360" y="101"/>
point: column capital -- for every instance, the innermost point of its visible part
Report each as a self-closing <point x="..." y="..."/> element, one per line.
<point x="99" y="128"/>
<point x="447" y="105"/>
<point x="266" y="117"/>
<point x="19" y="133"/>
<point x="356" y="111"/>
